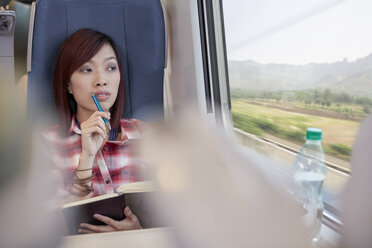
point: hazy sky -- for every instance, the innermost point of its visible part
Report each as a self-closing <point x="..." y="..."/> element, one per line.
<point x="298" y="31"/>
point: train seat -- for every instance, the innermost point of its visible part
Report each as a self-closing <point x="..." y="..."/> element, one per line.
<point x="137" y="27"/>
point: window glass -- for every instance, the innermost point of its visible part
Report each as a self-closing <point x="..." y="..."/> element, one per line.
<point x="295" y="64"/>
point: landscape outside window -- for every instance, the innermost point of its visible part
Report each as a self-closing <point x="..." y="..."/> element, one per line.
<point x="296" y="64"/>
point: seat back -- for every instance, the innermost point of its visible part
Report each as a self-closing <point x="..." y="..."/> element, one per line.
<point x="136" y="26"/>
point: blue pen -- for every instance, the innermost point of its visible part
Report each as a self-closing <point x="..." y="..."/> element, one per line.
<point x="100" y="109"/>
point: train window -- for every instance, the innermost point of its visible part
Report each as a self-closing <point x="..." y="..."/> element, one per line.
<point x="298" y="64"/>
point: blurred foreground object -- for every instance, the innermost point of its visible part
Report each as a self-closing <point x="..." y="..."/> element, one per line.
<point x="144" y="238"/>
<point x="213" y="194"/>
<point x="357" y="196"/>
<point x="25" y="219"/>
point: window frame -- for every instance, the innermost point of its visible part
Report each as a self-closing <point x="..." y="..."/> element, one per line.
<point x="216" y="79"/>
<point x="213" y="44"/>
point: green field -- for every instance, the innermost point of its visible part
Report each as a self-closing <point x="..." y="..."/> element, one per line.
<point x="338" y="134"/>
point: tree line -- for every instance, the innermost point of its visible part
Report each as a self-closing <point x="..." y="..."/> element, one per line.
<point x="324" y="97"/>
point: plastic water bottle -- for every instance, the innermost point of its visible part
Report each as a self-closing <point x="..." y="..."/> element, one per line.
<point x="309" y="174"/>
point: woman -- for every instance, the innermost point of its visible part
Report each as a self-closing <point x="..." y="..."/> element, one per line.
<point x="92" y="159"/>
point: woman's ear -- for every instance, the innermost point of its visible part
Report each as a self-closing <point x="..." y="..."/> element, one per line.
<point x="69" y="88"/>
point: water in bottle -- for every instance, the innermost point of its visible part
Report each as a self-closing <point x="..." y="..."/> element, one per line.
<point x="309" y="174"/>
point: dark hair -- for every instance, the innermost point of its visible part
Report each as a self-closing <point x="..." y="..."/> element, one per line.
<point x="79" y="48"/>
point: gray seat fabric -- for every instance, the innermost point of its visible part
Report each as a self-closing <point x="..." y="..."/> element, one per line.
<point x="4" y="3"/>
<point x="137" y="27"/>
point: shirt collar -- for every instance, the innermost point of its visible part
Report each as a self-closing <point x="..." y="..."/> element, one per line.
<point x="74" y="128"/>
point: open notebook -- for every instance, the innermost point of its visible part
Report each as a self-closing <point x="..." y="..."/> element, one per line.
<point x="135" y="195"/>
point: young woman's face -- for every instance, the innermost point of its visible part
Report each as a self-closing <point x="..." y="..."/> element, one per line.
<point x="101" y="76"/>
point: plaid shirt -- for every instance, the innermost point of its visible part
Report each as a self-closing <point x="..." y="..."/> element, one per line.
<point x="115" y="164"/>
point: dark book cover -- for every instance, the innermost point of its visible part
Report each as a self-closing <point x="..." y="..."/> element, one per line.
<point x="75" y="215"/>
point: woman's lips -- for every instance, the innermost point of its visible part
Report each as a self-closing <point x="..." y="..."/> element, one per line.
<point x="102" y="96"/>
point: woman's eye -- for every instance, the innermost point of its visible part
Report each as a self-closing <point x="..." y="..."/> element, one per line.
<point x="112" y="68"/>
<point x="85" y="70"/>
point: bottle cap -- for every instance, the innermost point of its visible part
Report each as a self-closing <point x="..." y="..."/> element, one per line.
<point x="313" y="133"/>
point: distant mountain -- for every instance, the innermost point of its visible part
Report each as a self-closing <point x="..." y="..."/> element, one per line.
<point x="358" y="83"/>
<point x="348" y="76"/>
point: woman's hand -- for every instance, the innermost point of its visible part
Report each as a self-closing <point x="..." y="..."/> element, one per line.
<point x="93" y="133"/>
<point x="131" y="222"/>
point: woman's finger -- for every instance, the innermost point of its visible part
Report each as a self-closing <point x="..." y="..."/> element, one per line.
<point x="97" y="121"/>
<point x="106" y="115"/>
<point x="95" y="228"/>
<point x="94" y="122"/>
<point x="101" y="123"/>
<point x="132" y="218"/>
<point x="92" y="130"/>
<point x="129" y="214"/>
<point x="107" y="220"/>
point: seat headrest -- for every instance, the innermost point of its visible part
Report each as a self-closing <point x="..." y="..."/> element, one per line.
<point x="136" y="26"/>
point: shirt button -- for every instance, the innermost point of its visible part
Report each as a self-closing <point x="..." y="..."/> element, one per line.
<point x="107" y="181"/>
<point x="105" y="148"/>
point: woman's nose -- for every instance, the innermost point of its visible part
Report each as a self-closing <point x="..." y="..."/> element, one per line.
<point x="101" y="83"/>
<point x="100" y="79"/>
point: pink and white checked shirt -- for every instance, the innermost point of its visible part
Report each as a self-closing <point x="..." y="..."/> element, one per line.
<point x="115" y="164"/>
